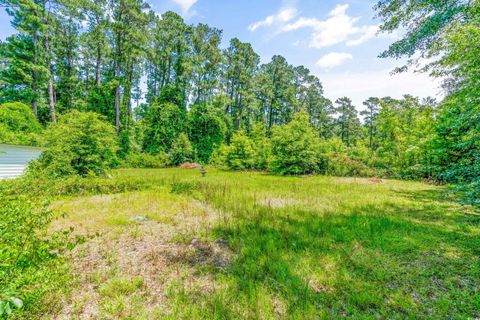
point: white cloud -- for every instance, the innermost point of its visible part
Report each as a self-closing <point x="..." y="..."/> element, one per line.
<point x="359" y="86"/>
<point x="185" y="5"/>
<point x="333" y="59"/>
<point x="283" y="16"/>
<point x="339" y="27"/>
<point x="369" y="32"/>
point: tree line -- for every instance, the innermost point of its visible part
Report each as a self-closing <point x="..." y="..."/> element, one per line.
<point x="218" y="102"/>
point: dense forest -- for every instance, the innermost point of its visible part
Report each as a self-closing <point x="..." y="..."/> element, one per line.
<point x="173" y="94"/>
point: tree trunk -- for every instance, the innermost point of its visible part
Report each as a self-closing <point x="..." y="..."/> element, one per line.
<point x="34" y="77"/>
<point x="51" y="99"/>
<point x="35" y="106"/>
<point x="98" y="65"/>
<point x="117" y="98"/>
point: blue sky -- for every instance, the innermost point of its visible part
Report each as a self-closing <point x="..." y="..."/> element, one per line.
<point x="335" y="39"/>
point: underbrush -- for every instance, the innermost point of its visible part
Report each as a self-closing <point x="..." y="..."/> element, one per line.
<point x="143" y="160"/>
<point x="31" y="264"/>
<point x="33" y="272"/>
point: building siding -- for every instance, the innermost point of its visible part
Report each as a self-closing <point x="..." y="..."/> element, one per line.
<point x="14" y="159"/>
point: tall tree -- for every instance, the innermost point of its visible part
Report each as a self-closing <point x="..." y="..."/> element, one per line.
<point x="347" y="122"/>
<point x="423" y="22"/>
<point x="240" y="69"/>
<point x="370" y="115"/>
<point x="128" y="24"/>
<point x="167" y="59"/>
<point x="206" y="59"/>
<point x="277" y="91"/>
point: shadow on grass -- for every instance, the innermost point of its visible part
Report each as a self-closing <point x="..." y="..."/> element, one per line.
<point x="414" y="255"/>
<point x="441" y="206"/>
<point x="369" y="261"/>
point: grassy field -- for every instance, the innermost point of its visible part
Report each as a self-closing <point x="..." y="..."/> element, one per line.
<point x="253" y="246"/>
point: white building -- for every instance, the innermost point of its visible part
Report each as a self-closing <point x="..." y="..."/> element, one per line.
<point x="14" y="159"/>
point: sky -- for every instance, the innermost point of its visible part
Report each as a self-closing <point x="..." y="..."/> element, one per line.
<point x="337" y="40"/>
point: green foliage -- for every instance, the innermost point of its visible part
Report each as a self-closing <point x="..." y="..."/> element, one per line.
<point x="262" y="147"/>
<point x="143" y="160"/>
<point x="80" y="143"/>
<point x="207" y="130"/>
<point x="295" y="147"/>
<point x="336" y="159"/>
<point x="239" y="155"/>
<point x="348" y="124"/>
<point x="457" y="143"/>
<point x="182" y="150"/>
<point x="163" y="125"/>
<point x="18" y="125"/>
<point x="447" y="32"/>
<point x="31" y="266"/>
<point x="423" y="20"/>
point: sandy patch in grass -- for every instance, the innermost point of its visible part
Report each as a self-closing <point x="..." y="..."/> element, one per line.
<point x="161" y="248"/>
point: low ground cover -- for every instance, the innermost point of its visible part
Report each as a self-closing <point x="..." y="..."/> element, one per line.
<point x="248" y="245"/>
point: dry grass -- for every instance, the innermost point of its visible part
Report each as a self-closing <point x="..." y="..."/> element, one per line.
<point x="157" y="249"/>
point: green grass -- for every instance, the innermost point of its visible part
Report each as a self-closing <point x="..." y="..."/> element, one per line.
<point x="301" y="248"/>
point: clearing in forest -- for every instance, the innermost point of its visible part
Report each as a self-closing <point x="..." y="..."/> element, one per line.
<point x="245" y="245"/>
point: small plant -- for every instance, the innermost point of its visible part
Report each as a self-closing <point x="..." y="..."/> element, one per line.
<point x="28" y="254"/>
<point x="9" y="304"/>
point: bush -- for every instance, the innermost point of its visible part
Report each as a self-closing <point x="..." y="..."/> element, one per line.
<point x="80" y="143"/>
<point x="218" y="157"/>
<point x="339" y="160"/>
<point x="18" y="125"/>
<point x="470" y="192"/>
<point x="262" y="147"/>
<point x="182" y="150"/>
<point x="295" y="147"/>
<point x="240" y="154"/>
<point x="142" y="160"/>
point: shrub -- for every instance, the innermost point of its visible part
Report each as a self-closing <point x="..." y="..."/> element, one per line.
<point x="18" y="125"/>
<point x="80" y="143"/>
<point x="294" y="147"/>
<point x="219" y="156"/>
<point x="339" y="160"/>
<point x="30" y="261"/>
<point x="240" y="154"/>
<point x="142" y="160"/>
<point x="262" y="147"/>
<point x="182" y="150"/>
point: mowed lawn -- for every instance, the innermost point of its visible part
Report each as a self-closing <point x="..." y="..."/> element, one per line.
<point x="254" y="246"/>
